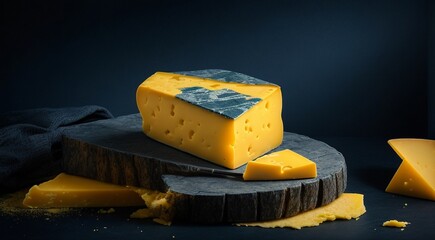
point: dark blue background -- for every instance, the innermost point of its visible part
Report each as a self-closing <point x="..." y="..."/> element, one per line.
<point x="347" y="68"/>
<point x="431" y="69"/>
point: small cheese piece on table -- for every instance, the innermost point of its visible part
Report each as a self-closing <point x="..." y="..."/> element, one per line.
<point x="224" y="117"/>
<point x="73" y="191"/>
<point x="284" y="164"/>
<point x="395" y="223"/>
<point x="415" y="176"/>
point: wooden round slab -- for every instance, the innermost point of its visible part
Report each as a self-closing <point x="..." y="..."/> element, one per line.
<point x="117" y="151"/>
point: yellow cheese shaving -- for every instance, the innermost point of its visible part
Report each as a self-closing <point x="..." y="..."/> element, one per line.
<point x="395" y="223"/>
<point x="347" y="206"/>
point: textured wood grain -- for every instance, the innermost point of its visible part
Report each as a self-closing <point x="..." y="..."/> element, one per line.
<point x="117" y="151"/>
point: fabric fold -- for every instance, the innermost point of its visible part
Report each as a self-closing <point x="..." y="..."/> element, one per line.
<point x="30" y="142"/>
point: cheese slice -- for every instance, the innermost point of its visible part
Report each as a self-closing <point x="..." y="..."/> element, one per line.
<point x="284" y="164"/>
<point x="224" y="117"/>
<point x="347" y="206"/>
<point x="415" y="176"/>
<point x="73" y="191"/>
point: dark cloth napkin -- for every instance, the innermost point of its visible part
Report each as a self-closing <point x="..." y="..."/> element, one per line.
<point x="30" y="142"/>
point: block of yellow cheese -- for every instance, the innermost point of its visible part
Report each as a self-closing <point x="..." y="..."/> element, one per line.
<point x="284" y="164"/>
<point x="224" y="117"/>
<point x="415" y="176"/>
<point x="347" y="206"/>
<point x="73" y="191"/>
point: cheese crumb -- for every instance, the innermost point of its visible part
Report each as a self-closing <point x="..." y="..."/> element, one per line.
<point x="110" y="210"/>
<point x="159" y="206"/>
<point x="395" y="223"/>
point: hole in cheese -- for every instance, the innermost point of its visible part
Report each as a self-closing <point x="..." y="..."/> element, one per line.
<point x="191" y="134"/>
<point x="147" y="128"/>
<point x="285" y="168"/>
<point x="172" y="110"/>
<point x="176" y="78"/>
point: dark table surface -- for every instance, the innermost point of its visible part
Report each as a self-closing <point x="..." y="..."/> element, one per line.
<point x="371" y="164"/>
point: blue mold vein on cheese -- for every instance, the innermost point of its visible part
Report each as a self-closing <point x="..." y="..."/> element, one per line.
<point x="225" y="102"/>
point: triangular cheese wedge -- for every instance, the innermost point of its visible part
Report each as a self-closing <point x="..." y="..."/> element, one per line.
<point x="280" y="165"/>
<point x="416" y="174"/>
<point x="72" y="191"/>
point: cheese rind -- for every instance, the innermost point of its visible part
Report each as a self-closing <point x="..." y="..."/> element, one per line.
<point x="347" y="206"/>
<point x="225" y="122"/>
<point x="73" y="191"/>
<point x="284" y="164"/>
<point x="415" y="176"/>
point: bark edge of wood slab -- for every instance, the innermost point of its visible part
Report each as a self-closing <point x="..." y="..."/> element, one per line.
<point x="117" y="151"/>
